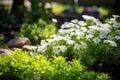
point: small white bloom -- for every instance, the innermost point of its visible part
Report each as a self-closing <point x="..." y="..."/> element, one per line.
<point x="43" y="42"/>
<point x="116" y="16"/>
<point x="50" y="40"/>
<point x="77" y="46"/>
<point x="63" y="31"/>
<point x="67" y="37"/>
<point x="58" y="49"/>
<point x="80" y="35"/>
<point x="105" y="29"/>
<point x="88" y="37"/>
<point x="102" y="36"/>
<point x="83" y="45"/>
<point x="74" y="21"/>
<point x="86" y="17"/>
<point x="96" y="40"/>
<point x="111" y="42"/>
<point x="72" y="33"/>
<point x="96" y="21"/>
<point x="76" y="26"/>
<point x="117" y="32"/>
<point x="67" y="25"/>
<point x="84" y="29"/>
<point x="116" y="25"/>
<point x="91" y="31"/>
<point x="43" y="48"/>
<point x="117" y="37"/>
<point x="54" y="20"/>
<point x="69" y="42"/>
<point x="94" y="27"/>
<point x="82" y="23"/>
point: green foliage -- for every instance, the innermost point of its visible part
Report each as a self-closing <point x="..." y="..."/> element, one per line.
<point x="6" y="19"/>
<point x="2" y="41"/>
<point x="21" y="66"/>
<point x="37" y="31"/>
<point x="38" y="10"/>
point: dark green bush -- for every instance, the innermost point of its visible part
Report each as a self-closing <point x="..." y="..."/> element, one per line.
<point x="2" y="41"/>
<point x="38" y="10"/>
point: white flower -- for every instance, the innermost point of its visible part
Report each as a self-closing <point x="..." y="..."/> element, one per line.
<point x="43" y="42"/>
<point x="72" y="33"/>
<point x="54" y="20"/>
<point x="102" y="36"/>
<point x="94" y="27"/>
<point x="91" y="31"/>
<point x="96" y="40"/>
<point x="117" y="37"/>
<point x="116" y="16"/>
<point x="58" y="49"/>
<point x="84" y="29"/>
<point x="82" y="23"/>
<point x="86" y="17"/>
<point x="105" y="29"/>
<point x="69" y="42"/>
<point x="117" y="32"/>
<point x="88" y="37"/>
<point x="76" y="26"/>
<point x="67" y="25"/>
<point x="116" y="25"/>
<point x="67" y="37"/>
<point x="63" y="31"/>
<point x="80" y="35"/>
<point x="64" y="25"/>
<point x="74" y="21"/>
<point x="83" y="45"/>
<point x="77" y="46"/>
<point x="58" y="38"/>
<point x="111" y="42"/>
<point x="43" y="48"/>
<point x="50" y="40"/>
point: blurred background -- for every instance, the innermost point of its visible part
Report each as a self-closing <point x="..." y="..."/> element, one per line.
<point x="15" y="13"/>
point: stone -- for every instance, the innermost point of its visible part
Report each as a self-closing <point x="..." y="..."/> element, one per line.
<point x="18" y="42"/>
<point x="5" y="52"/>
<point x="29" y="47"/>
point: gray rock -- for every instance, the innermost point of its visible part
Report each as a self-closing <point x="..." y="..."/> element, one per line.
<point x="29" y="47"/>
<point x="18" y="42"/>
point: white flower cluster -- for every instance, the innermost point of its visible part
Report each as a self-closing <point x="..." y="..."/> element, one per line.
<point x="78" y="33"/>
<point x="58" y="49"/>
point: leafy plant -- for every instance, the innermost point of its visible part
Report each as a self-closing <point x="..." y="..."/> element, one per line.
<point x="21" y="66"/>
<point x="89" y="40"/>
<point x="37" y="31"/>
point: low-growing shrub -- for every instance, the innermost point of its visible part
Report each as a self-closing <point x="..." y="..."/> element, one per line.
<point x="21" y="66"/>
<point x="90" y="40"/>
<point x="37" y="31"/>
